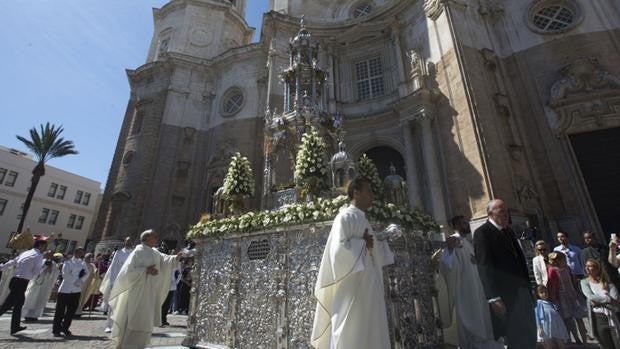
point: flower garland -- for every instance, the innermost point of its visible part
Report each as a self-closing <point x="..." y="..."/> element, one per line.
<point x="239" y="180"/>
<point x="320" y="210"/>
<point x="311" y="165"/>
<point x="365" y="168"/>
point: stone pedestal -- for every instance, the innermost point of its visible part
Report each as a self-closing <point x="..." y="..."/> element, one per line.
<point x="256" y="291"/>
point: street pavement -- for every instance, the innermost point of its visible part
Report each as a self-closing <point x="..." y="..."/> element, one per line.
<point x="87" y="333"/>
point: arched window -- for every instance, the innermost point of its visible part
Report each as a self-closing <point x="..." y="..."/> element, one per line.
<point x="383" y="157"/>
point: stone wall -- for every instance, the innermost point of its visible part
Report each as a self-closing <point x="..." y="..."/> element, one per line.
<point x="240" y="300"/>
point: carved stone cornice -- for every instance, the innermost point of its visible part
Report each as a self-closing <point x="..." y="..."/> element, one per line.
<point x="490" y="59"/>
<point x="586" y="98"/>
<point x="502" y="104"/>
<point x="583" y="77"/>
<point x="416" y="105"/>
<point x="491" y="9"/>
<point x="434" y="8"/>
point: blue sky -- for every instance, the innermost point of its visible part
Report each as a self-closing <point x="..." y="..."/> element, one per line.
<point x="64" y="61"/>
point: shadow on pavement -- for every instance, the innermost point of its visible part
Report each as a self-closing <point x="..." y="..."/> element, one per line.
<point x="86" y="338"/>
<point x="23" y="338"/>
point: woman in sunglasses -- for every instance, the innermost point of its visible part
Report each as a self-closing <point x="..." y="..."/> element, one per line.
<point x="540" y="263"/>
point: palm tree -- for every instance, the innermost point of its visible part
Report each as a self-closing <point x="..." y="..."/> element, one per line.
<point x="45" y="146"/>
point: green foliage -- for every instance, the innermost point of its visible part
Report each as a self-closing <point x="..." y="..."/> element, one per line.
<point x="48" y="144"/>
<point x="365" y="168"/>
<point x="45" y="145"/>
<point x="282" y="186"/>
<point x="321" y="210"/>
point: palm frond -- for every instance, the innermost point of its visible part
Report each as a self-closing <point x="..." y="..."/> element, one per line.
<point x="46" y="143"/>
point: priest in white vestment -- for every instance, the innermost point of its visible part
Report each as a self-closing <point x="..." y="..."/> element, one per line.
<point x="40" y="289"/>
<point x="119" y="258"/>
<point x="138" y="293"/>
<point x="90" y="286"/>
<point x="351" y="311"/>
<point x="7" y="275"/>
<point x="467" y="303"/>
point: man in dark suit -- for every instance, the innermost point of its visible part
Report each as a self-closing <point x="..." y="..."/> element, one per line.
<point x="504" y="275"/>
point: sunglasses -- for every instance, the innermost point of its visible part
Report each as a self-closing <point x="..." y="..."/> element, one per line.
<point x="541" y="249"/>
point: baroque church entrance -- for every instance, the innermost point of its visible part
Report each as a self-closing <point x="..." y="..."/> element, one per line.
<point x="383" y="157"/>
<point x="597" y="155"/>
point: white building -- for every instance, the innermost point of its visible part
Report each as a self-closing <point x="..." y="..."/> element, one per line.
<point x="64" y="203"/>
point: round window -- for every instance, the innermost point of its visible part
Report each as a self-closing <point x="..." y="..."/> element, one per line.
<point x="232" y="102"/>
<point x="550" y="17"/>
<point x="128" y="157"/>
<point x="362" y="10"/>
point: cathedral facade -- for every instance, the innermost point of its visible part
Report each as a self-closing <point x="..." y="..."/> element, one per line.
<point x="469" y="100"/>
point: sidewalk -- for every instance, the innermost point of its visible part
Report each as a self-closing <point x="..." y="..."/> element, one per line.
<point x="87" y="333"/>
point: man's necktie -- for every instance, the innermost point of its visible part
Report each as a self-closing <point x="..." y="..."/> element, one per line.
<point x="508" y="235"/>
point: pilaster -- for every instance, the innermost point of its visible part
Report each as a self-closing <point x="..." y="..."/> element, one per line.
<point x="431" y="163"/>
<point x="413" y="180"/>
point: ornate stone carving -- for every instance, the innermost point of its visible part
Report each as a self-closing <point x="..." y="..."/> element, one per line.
<point x="225" y="150"/>
<point x="200" y="37"/>
<point x="490" y="59"/>
<point x="418" y="68"/>
<point x="433" y="8"/>
<point x="525" y="191"/>
<point x="502" y="104"/>
<point x="219" y="203"/>
<point x="491" y="9"/>
<point x="586" y="98"/>
<point x="284" y="197"/>
<point x="394" y="188"/>
<point x="342" y="167"/>
<point x="424" y="116"/>
<point x="515" y="151"/>
<point x="584" y="76"/>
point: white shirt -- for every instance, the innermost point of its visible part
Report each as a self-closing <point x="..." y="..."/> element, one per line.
<point x="495" y="224"/>
<point x="27" y="265"/>
<point x="447" y="257"/>
<point x="597" y="289"/>
<point x="71" y="280"/>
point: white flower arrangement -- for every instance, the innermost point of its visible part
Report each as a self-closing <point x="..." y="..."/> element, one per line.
<point x="239" y="180"/>
<point x="365" y="168"/>
<point x="321" y="210"/>
<point x="311" y="164"/>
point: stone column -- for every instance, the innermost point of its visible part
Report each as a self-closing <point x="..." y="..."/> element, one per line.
<point x="398" y="55"/>
<point x="272" y="71"/>
<point x="413" y="181"/>
<point x="433" y="173"/>
<point x="331" y="75"/>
